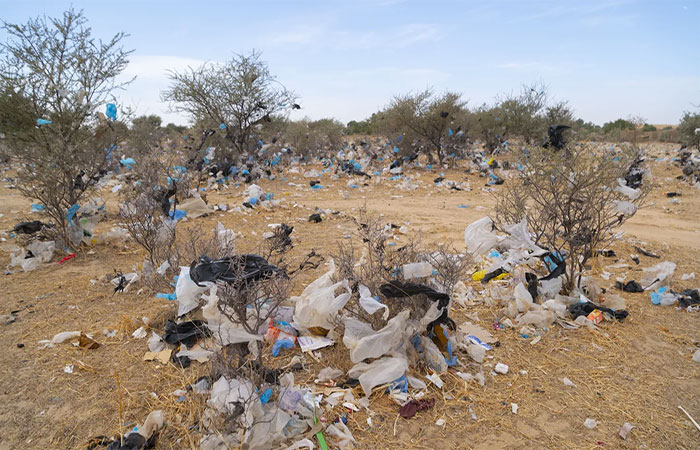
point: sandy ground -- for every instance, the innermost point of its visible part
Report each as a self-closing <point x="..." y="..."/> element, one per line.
<point x="638" y="371"/>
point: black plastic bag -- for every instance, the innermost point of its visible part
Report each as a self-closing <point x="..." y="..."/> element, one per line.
<point x="315" y="218"/>
<point x="585" y="308"/>
<point x="187" y="333"/>
<point x="630" y="286"/>
<point x="233" y="269"/>
<point x="29" y="227"/>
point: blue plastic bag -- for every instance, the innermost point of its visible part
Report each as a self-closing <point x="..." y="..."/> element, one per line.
<point x="111" y="111"/>
<point x="71" y="213"/>
<point x="280" y="344"/>
<point x="43" y="122"/>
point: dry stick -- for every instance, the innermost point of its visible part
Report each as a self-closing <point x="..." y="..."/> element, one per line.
<point x="689" y="417"/>
<point x="121" y="418"/>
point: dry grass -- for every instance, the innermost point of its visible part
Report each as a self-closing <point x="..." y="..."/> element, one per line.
<point x="637" y="371"/>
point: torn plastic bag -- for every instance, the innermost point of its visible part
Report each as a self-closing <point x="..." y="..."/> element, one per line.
<point x="559" y="308"/>
<point x="689" y="297"/>
<point x="142" y="437"/>
<point x="624" y="207"/>
<point x="254" y="192"/>
<point x="417" y="270"/>
<point x="396" y="289"/>
<point x="226" y="238"/>
<point x="340" y="435"/>
<point x="540" y="319"/>
<point x="380" y="371"/>
<point x="550" y="288"/>
<point x="223" y="330"/>
<point x="266" y="424"/>
<point x="237" y="269"/>
<point x="187" y="333"/>
<point x="187" y="292"/>
<point x="633" y="194"/>
<point x="480" y="236"/>
<point x="42" y="250"/>
<point x="585" y="308"/>
<point x="379" y="343"/>
<point x="318" y="303"/>
<point x="430" y="353"/>
<point x="194" y="207"/>
<point x="658" y="275"/>
<point x="523" y="299"/>
<point x="371" y="304"/>
<point x="29" y="227"/>
<point x="227" y="396"/>
<point x="519" y="238"/>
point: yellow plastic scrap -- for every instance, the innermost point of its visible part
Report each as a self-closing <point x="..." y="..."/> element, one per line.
<point x="478" y="276"/>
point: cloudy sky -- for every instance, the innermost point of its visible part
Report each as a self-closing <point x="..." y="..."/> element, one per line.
<point x="346" y="59"/>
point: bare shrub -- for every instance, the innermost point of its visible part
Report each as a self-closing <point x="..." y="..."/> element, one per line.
<point x="158" y="183"/>
<point x="571" y="201"/>
<point x="375" y="263"/>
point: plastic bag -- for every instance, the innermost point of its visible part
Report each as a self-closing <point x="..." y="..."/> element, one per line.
<point x="371" y="304"/>
<point x="480" y="237"/>
<point x="318" y="304"/>
<point x="417" y="270"/>
<point x="187" y="292"/>
<point x="254" y="192"/>
<point x="379" y="343"/>
<point x="226" y="238"/>
<point x="194" y="207"/>
<point x="430" y="353"/>
<point x="658" y="275"/>
<point x="222" y="328"/>
<point x="378" y="372"/>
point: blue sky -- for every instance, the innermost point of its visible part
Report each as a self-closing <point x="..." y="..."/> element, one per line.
<point x="346" y="59"/>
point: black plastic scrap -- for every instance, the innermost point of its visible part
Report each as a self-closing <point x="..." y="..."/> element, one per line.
<point x="555" y="138"/>
<point x="313" y="183"/>
<point x="233" y="269"/>
<point x="559" y="270"/>
<point x="585" y="308"/>
<point x="646" y="252"/>
<point x="396" y="289"/>
<point x="438" y="180"/>
<point x="606" y="253"/>
<point x="532" y="283"/>
<point x="689" y="297"/>
<point x="635" y="173"/>
<point x="630" y="286"/>
<point x="29" y="227"/>
<point x="315" y="218"/>
<point x="491" y="275"/>
<point x="187" y="333"/>
<point x="132" y="441"/>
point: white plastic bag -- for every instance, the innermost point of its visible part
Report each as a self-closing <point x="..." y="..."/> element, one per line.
<point x="370" y="304"/>
<point x="417" y="270"/>
<point x="187" y="292"/>
<point x="381" y="371"/>
<point x="318" y="303"/>
<point x="374" y="345"/>
<point x="480" y="237"/>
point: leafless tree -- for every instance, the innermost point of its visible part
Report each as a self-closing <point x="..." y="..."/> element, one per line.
<point x="58" y="76"/>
